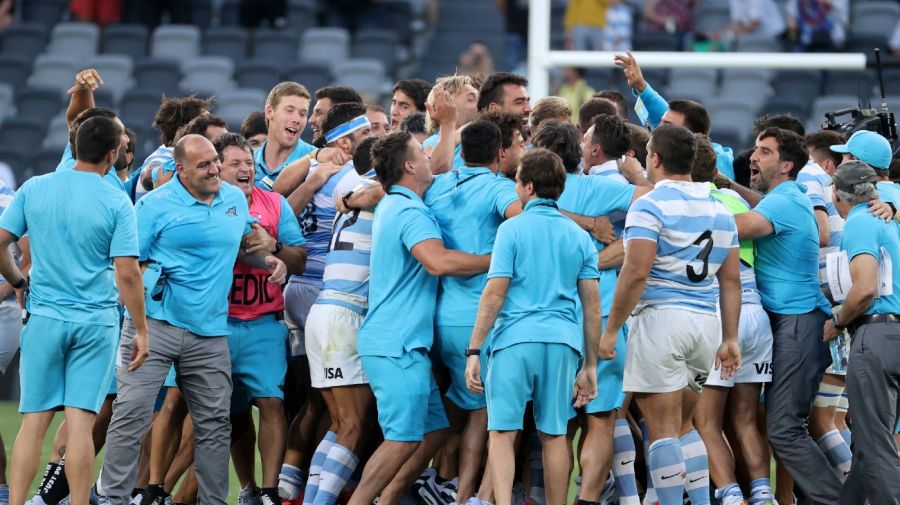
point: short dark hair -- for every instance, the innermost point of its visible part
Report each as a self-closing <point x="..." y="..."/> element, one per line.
<point x="176" y="112"/>
<point x="542" y="168"/>
<point x="704" y="166"/>
<point x="96" y="137"/>
<point x="638" y="136"/>
<point x="592" y="108"/>
<point x="480" y="142"/>
<point x="617" y="98"/>
<point x="362" y="157"/>
<point x="790" y="148"/>
<point x="254" y="124"/>
<point x="340" y="114"/>
<point x="822" y="140"/>
<point x="492" y="88"/>
<point x="741" y="166"/>
<point x="389" y="153"/>
<point x="783" y="121"/>
<point x="696" y="117"/>
<point x="230" y="139"/>
<point x="199" y="125"/>
<point x="85" y="115"/>
<point x="611" y="134"/>
<point x="675" y="146"/>
<point x="562" y="139"/>
<point x="414" y="123"/>
<point x="338" y="94"/>
<point x="417" y="89"/>
<point x="508" y="122"/>
<point x="132" y="138"/>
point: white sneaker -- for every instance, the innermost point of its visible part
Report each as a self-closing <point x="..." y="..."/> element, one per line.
<point x="249" y="496"/>
<point x="137" y="499"/>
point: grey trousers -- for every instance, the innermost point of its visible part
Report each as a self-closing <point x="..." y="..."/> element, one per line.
<point x="799" y="360"/>
<point x="204" y="377"/>
<point x="873" y="384"/>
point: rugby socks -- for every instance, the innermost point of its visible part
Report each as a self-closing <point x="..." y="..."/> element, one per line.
<point x="837" y="452"/>
<point x="623" y="464"/>
<point x="847" y="436"/>
<point x="730" y="494"/>
<point x="761" y="492"/>
<point x="291" y="482"/>
<point x="650" y="496"/>
<point x="315" y="467"/>
<point x="696" y="462"/>
<point x="536" y="468"/>
<point x="667" y="470"/>
<point x="339" y="465"/>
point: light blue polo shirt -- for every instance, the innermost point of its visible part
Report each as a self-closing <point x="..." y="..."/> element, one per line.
<point x="598" y="196"/>
<point x="265" y="178"/>
<point x="469" y="204"/>
<point x="76" y="224"/>
<point x="889" y="192"/>
<point x="402" y="294"/>
<point x="867" y="234"/>
<point x="432" y="142"/>
<point x="787" y="261"/>
<point x="196" y="245"/>
<point x="656" y="106"/>
<point x="544" y="254"/>
<point x="67" y="162"/>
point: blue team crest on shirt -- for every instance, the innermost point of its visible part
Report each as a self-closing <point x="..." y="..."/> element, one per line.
<point x="232" y="212"/>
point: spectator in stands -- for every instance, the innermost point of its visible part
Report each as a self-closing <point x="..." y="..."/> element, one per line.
<point x="516" y="23"/>
<point x="207" y="125"/>
<point x="592" y="108"/>
<point x="254" y="129"/>
<point x="675" y="17"/>
<point x="102" y="12"/>
<point x="378" y="120"/>
<point x="550" y="107"/>
<point x="617" y="98"/>
<point x="619" y="25"/>
<point x="409" y="96"/>
<point x="583" y="23"/>
<point x="415" y="124"/>
<point x="756" y="17"/>
<point x="574" y="89"/>
<point x="476" y="60"/>
<point x="817" y="25"/>
<point x="153" y="11"/>
<point x="254" y="12"/>
<point x="6" y="13"/>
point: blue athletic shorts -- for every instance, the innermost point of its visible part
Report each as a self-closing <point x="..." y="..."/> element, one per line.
<point x="609" y="378"/>
<point x="451" y="343"/>
<point x="407" y="397"/>
<point x="531" y="371"/>
<point x="65" y="364"/>
<point x="259" y="359"/>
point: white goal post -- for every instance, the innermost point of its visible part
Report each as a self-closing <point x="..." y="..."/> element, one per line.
<point x="541" y="58"/>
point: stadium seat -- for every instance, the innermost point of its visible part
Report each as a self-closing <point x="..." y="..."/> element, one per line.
<point x="301" y="15"/>
<point x="146" y="141"/>
<point x="106" y="98"/>
<point x="866" y="43"/>
<point x="732" y="112"/>
<point x="16" y="69"/>
<point x="803" y="84"/>
<point x="54" y="71"/>
<point x="22" y="134"/>
<point x="24" y="39"/>
<point x="379" y="45"/>
<point x="472" y="17"/>
<point x="130" y="39"/>
<point x="139" y="106"/>
<point x="75" y="39"/>
<point x="311" y="75"/>
<point x="6" y="101"/>
<point x="158" y="74"/>
<point x="201" y="13"/>
<point x="175" y="42"/>
<point x="786" y="105"/>
<point x="710" y="18"/>
<point x="874" y="17"/>
<point x="15" y="158"/>
<point x="599" y="78"/>
<point x="38" y="103"/>
<point x="753" y="93"/>
<point x="758" y="44"/>
<point x="400" y="19"/>
<point x="325" y="45"/>
<point x="229" y="41"/>
<point x="690" y="87"/>
<point x="45" y="161"/>
<point x="230" y="13"/>
<point x="45" y="12"/>
<point x="730" y="135"/>
<point x="115" y="70"/>
<point x="366" y="76"/>
<point x="261" y="75"/>
<point x="655" y="42"/>
<point x="236" y="105"/>
<point x="275" y="46"/>
<point x="857" y="83"/>
<point x="57" y="135"/>
<point x="891" y="82"/>
<point x="208" y="74"/>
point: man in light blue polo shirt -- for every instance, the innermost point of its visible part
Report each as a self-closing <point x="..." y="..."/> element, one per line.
<point x="79" y="228"/>
<point x="539" y="333"/>
<point x="787" y="273"/>
<point x="407" y="256"/>
<point x="287" y="108"/>
<point x="469" y="204"/>
<point x="871" y="313"/>
<point x="118" y="173"/>
<point x="190" y="233"/>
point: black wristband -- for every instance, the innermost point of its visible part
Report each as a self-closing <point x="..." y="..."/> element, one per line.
<point x="279" y="245"/>
<point x="346" y="199"/>
<point x="893" y="208"/>
<point x="472" y="352"/>
<point x="21" y="284"/>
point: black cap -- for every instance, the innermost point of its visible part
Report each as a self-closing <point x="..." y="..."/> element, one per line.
<point x="851" y="173"/>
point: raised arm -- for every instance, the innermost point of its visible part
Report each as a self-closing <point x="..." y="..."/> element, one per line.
<point x="444" y="112"/>
<point x="82" y="93"/>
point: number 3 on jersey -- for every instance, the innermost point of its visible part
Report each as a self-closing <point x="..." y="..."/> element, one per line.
<point x="705" y="242"/>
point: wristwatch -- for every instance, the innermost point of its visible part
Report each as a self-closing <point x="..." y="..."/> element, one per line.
<point x="836" y="323"/>
<point x="346" y="199"/>
<point x="472" y="352"/>
<point x="279" y="245"/>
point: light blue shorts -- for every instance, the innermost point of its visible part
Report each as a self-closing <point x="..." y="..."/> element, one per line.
<point x="407" y="397"/>
<point x="65" y="364"/>
<point x="259" y="359"/>
<point x="609" y="377"/>
<point x="531" y="371"/>
<point x="451" y="343"/>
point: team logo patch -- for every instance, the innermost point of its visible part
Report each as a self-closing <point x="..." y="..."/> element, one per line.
<point x="232" y="212"/>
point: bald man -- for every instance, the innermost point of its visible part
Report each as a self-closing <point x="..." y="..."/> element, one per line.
<point x="190" y="234"/>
